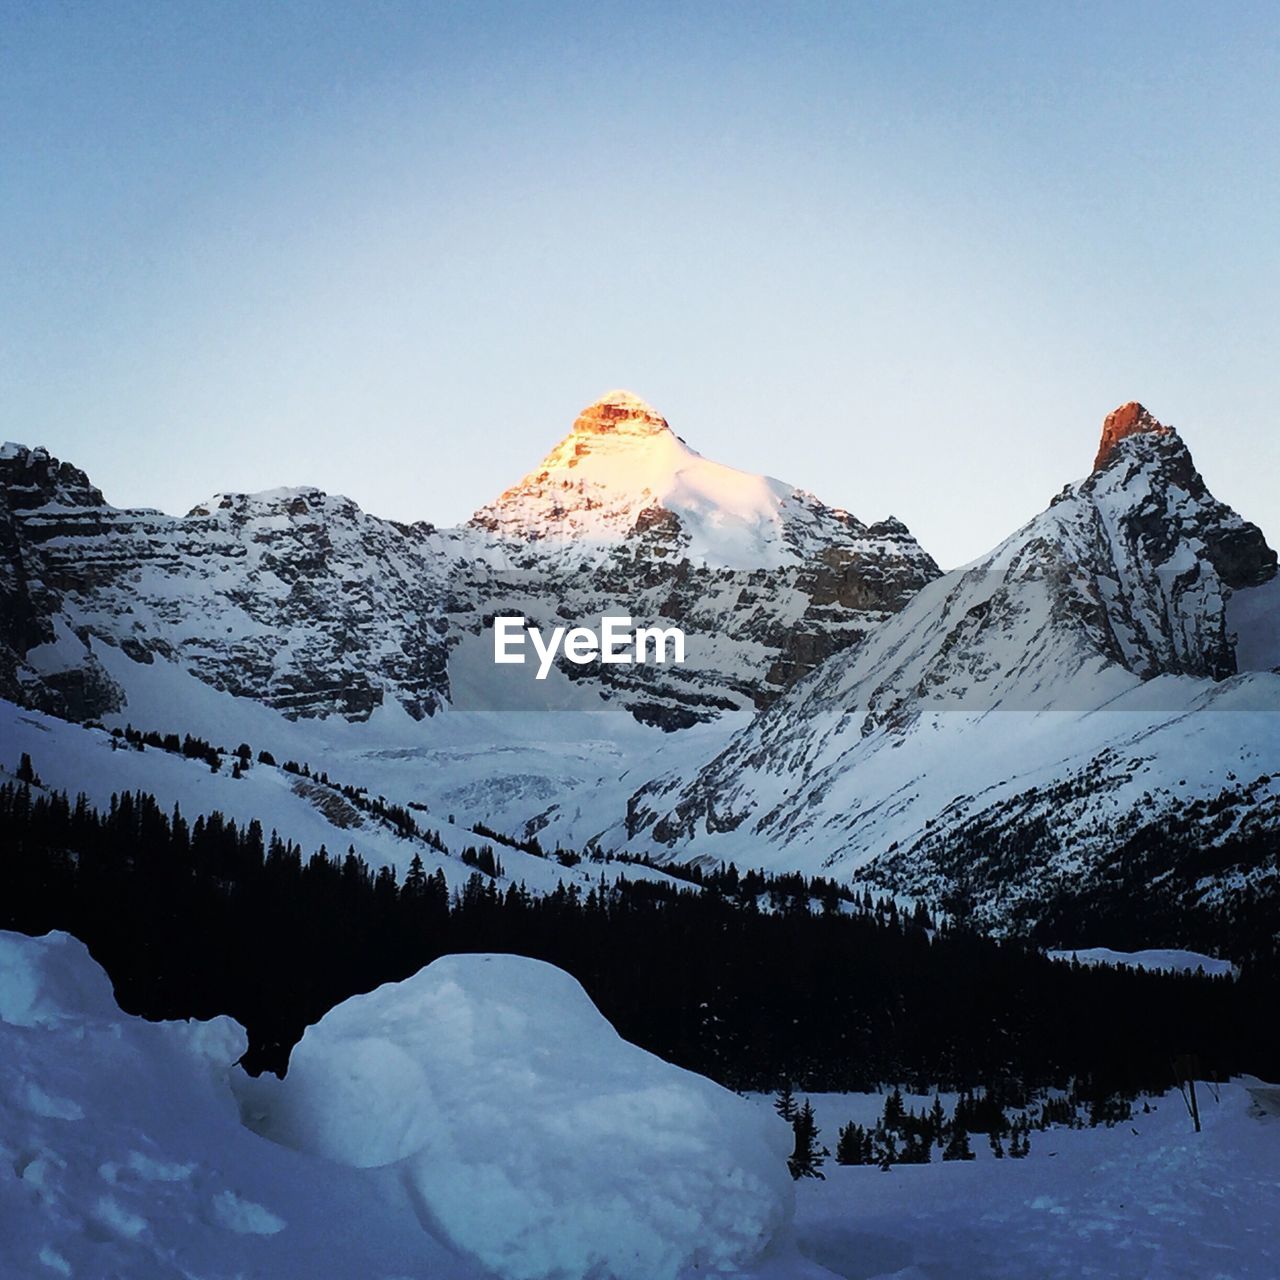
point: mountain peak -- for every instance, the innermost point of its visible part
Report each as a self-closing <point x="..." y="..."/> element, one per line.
<point x="620" y="413"/>
<point x="623" y="483"/>
<point x="1129" y="419"/>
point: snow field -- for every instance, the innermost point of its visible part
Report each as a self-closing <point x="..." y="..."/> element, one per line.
<point x="122" y="1153"/>
<point x="1146" y="1200"/>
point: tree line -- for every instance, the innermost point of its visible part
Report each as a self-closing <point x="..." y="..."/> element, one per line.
<point x="750" y="979"/>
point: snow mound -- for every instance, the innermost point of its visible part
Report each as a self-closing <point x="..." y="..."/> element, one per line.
<point x="528" y="1132"/>
<point x="122" y="1151"/>
<point x="51" y="982"/>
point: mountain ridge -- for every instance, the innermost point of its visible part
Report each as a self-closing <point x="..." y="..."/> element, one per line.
<point x="322" y="608"/>
<point x="1087" y="650"/>
<point x="991" y="736"/>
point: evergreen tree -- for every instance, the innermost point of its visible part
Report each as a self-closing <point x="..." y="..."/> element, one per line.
<point x="194" y="920"/>
<point x="785" y="1104"/>
<point x="958" y="1147"/>
<point x="807" y="1157"/>
<point x="1020" y="1139"/>
<point x="937" y="1120"/>
<point x="886" y="1148"/>
<point x="894" y="1111"/>
<point x="851" y="1144"/>
<point x="415" y="882"/>
<point x="918" y="1147"/>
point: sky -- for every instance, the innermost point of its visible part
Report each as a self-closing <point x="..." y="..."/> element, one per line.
<point x="904" y="256"/>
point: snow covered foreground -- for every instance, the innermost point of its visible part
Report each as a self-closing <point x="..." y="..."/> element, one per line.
<point x="1146" y="1200"/>
<point x="122" y="1154"/>
<point x="479" y="1119"/>
<point x="540" y="1141"/>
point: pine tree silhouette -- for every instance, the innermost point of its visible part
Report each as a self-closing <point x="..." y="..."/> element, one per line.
<point x="785" y="1104"/>
<point x="415" y="882"/>
<point x="937" y="1120"/>
<point x="958" y="1147"/>
<point x="850" y="1146"/>
<point x="807" y="1158"/>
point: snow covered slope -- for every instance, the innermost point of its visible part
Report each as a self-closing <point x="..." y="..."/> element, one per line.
<point x="1165" y="961"/>
<point x="1148" y="1198"/>
<point x="1045" y="701"/>
<point x="312" y="813"/>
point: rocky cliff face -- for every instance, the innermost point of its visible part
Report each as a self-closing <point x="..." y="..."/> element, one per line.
<point x="294" y="598"/>
<point x="302" y="601"/>
<point x="1129" y="419"/>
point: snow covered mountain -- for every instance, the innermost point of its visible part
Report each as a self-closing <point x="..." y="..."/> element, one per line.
<point x="623" y="517"/>
<point x="1088" y="712"/>
<point x="623" y="476"/>
<point x="293" y="598"/>
<point x="1020" y="718"/>
<point x="300" y="600"/>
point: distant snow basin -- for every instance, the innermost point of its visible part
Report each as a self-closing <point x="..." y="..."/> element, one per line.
<point x="1162" y="961"/>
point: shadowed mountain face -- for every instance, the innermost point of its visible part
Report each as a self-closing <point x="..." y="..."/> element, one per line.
<point x="302" y="601"/>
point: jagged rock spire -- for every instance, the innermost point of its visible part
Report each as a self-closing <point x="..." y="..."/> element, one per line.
<point x="620" y="412"/>
<point x="1129" y="419"/>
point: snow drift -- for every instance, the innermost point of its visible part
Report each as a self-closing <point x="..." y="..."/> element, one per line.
<point x="482" y="1106"/>
<point x="122" y="1151"/>
<point x="528" y="1132"/>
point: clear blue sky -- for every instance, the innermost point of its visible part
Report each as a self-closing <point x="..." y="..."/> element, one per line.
<point x="906" y="256"/>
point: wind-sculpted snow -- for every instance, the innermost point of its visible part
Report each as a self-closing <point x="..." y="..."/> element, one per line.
<point x="122" y="1152"/>
<point x="528" y="1132"/>
<point x="485" y="1099"/>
